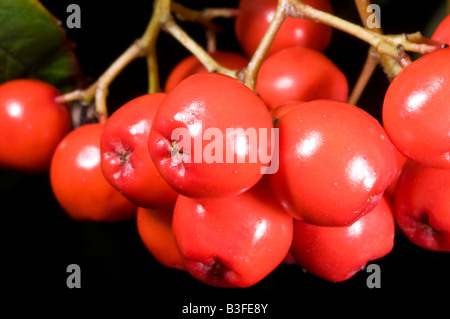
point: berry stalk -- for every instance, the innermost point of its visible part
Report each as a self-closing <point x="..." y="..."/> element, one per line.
<point x="145" y="46"/>
<point x="390" y="65"/>
<point x="251" y="72"/>
<point x="391" y="45"/>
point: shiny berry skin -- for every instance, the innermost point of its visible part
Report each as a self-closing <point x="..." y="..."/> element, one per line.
<point x="442" y="32"/>
<point x="338" y="253"/>
<point x="416" y="110"/>
<point x="335" y="161"/>
<point x="31" y="125"/>
<point x="199" y="141"/>
<point x="155" y="230"/>
<point x="401" y="160"/>
<point x="281" y="110"/>
<point x="300" y="74"/>
<point x="422" y="205"/>
<point x="78" y="183"/>
<point x="125" y="160"/>
<point x="235" y="241"/>
<point x="254" y="19"/>
<point x="191" y="65"/>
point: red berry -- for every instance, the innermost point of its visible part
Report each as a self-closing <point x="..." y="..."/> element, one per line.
<point x="401" y="159"/>
<point x="422" y="205"/>
<point x="78" y="182"/>
<point x="335" y="161"/>
<point x="31" y="125"/>
<point x="416" y="110"/>
<point x="283" y="109"/>
<point x="235" y="241"/>
<point x="338" y="253"/>
<point x="155" y="230"/>
<point x="210" y="137"/>
<point x="254" y="19"/>
<point x="442" y="32"/>
<point x="300" y="74"/>
<point x="125" y="160"/>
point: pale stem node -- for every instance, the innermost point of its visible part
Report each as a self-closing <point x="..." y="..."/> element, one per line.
<point x="99" y="89"/>
<point x="390" y="64"/>
<point x="82" y="95"/>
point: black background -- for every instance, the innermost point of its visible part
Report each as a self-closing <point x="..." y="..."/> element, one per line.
<point x="117" y="272"/>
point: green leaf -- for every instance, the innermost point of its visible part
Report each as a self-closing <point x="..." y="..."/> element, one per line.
<point x="33" y="45"/>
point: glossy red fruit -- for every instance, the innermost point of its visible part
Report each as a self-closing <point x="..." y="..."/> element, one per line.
<point x="191" y="65"/>
<point x="300" y="74"/>
<point x="416" y="110"/>
<point x="335" y="161"/>
<point x="422" y="205"/>
<point x="283" y="109"/>
<point x="210" y="137"/>
<point x="78" y="182"/>
<point x="289" y="259"/>
<point x="401" y="159"/>
<point x="338" y="253"/>
<point x="31" y="125"/>
<point x="125" y="160"/>
<point x="155" y="230"/>
<point x="254" y="19"/>
<point x="232" y="242"/>
<point x="442" y="32"/>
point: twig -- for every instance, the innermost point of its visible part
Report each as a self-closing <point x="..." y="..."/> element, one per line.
<point x="250" y="73"/>
<point x="171" y="27"/>
<point x="390" y="65"/>
<point x="394" y="46"/>
<point x="365" y="75"/>
<point x="145" y="46"/>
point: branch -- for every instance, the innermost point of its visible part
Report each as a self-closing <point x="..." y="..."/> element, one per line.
<point x="390" y="48"/>
<point x="365" y="75"/>
<point x="390" y="65"/>
<point x="102" y="84"/>
<point x="250" y="73"/>
<point x="171" y="27"/>
<point x="394" y="46"/>
<point x="145" y="46"/>
<point x="204" y="17"/>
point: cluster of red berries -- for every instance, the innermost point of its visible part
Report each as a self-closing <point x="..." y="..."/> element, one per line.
<point x="227" y="183"/>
